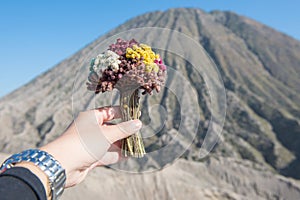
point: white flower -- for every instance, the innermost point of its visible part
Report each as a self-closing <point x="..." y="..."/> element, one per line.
<point x="108" y="59"/>
<point x="95" y="68"/>
<point x="112" y="54"/>
<point x="115" y="66"/>
<point x="101" y="56"/>
<point x="97" y="60"/>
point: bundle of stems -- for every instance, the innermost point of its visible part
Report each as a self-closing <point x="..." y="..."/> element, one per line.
<point x="130" y="107"/>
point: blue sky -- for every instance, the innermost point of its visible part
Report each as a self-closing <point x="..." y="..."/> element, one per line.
<point x="35" y="35"/>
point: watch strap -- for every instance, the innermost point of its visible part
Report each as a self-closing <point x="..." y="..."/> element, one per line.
<point x="46" y="163"/>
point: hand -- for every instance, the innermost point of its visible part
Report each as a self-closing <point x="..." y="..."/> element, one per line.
<point x="90" y="142"/>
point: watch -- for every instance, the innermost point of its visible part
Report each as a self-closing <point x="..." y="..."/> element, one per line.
<point x="51" y="167"/>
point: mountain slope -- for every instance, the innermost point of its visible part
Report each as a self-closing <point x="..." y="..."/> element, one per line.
<point x="259" y="67"/>
<point x="187" y="180"/>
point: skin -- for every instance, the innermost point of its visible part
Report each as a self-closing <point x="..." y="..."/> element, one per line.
<point x="75" y="157"/>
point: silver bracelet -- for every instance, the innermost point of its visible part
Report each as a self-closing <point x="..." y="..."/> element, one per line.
<point x="46" y="162"/>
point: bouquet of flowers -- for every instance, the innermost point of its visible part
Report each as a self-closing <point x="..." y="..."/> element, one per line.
<point x="130" y="67"/>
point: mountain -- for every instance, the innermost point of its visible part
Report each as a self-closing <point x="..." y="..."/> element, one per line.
<point x="188" y="180"/>
<point x="260" y="70"/>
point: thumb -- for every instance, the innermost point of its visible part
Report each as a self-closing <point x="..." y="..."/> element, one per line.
<point x="117" y="132"/>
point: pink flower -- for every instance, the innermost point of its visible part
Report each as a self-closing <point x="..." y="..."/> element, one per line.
<point x="162" y="67"/>
<point x="160" y="63"/>
<point x="119" y="52"/>
<point x="112" y="46"/>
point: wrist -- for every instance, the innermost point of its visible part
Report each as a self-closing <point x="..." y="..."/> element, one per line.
<point x="71" y="155"/>
<point x="46" y="163"/>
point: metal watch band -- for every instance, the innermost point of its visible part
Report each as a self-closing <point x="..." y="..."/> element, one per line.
<point x="46" y="163"/>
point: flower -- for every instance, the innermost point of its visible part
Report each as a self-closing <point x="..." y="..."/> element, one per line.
<point x="125" y="63"/>
<point x="108" y="59"/>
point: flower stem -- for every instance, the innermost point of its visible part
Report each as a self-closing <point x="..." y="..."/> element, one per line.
<point x="130" y="108"/>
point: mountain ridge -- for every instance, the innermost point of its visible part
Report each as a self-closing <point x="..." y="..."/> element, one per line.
<point x="263" y="110"/>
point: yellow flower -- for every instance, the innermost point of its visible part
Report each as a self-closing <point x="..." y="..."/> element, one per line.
<point x="138" y="56"/>
<point x="155" y="68"/>
<point x="148" y="68"/>
<point x="152" y="55"/>
<point x="151" y="67"/>
<point x="134" y="47"/>
<point x="145" y="47"/>
<point x="129" y="50"/>
<point x="145" y="51"/>
<point x="147" y="60"/>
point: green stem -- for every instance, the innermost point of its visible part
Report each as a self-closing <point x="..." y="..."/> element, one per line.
<point x="130" y="108"/>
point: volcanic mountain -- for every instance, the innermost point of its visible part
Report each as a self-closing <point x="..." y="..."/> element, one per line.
<point x="258" y="153"/>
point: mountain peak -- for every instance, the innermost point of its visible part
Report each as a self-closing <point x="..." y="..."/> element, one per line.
<point x="259" y="67"/>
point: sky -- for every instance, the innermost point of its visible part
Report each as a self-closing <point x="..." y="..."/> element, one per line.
<point x="35" y="35"/>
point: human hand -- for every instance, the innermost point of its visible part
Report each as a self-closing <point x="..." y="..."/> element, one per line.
<point x="90" y="142"/>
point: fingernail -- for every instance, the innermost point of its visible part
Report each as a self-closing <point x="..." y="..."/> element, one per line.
<point x="130" y="126"/>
